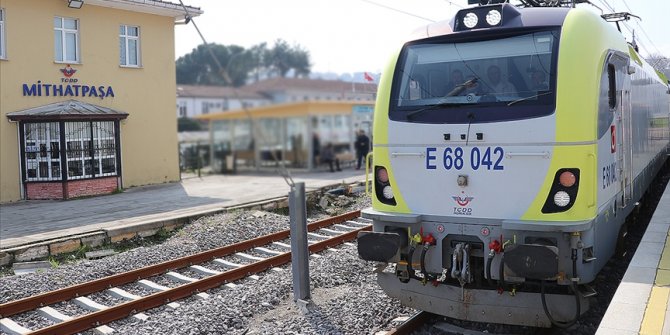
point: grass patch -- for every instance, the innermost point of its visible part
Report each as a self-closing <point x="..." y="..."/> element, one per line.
<point x="161" y="236"/>
<point x="54" y="262"/>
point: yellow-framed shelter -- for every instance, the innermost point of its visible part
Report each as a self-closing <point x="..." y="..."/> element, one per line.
<point x="292" y="133"/>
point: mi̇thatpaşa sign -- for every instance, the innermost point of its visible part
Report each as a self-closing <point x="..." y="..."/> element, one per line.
<point x="68" y="87"/>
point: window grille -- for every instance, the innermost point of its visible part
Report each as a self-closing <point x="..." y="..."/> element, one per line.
<point x="42" y="151"/>
<point x="90" y="150"/>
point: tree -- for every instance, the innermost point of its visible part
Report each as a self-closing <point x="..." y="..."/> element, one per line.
<point x="199" y="68"/>
<point x="283" y="58"/>
<point x="659" y="62"/>
<point x="258" y="55"/>
<point x="238" y="65"/>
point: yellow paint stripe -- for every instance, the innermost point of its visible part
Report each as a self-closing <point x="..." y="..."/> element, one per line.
<point x="654" y="315"/>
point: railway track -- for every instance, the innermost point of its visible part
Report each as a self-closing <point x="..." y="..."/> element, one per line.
<point x="412" y="324"/>
<point x="259" y="254"/>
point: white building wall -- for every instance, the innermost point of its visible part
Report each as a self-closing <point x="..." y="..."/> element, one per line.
<point x="195" y="105"/>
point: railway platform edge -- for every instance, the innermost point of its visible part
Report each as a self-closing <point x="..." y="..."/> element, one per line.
<point x="641" y="302"/>
<point x="150" y="209"/>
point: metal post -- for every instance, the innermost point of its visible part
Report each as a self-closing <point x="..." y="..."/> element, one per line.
<point x="299" y="252"/>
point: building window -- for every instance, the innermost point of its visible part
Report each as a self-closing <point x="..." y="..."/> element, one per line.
<point x="3" y="54"/>
<point x="66" y="40"/>
<point x="205" y="107"/>
<point x="42" y="150"/>
<point x="182" y="109"/>
<point x="129" y="40"/>
<point x="90" y="150"/>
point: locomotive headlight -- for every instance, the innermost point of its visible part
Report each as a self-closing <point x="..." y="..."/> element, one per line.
<point x="470" y="20"/>
<point x="387" y="191"/>
<point x="567" y="179"/>
<point x="493" y="17"/>
<point x="563" y="193"/>
<point x="561" y="198"/>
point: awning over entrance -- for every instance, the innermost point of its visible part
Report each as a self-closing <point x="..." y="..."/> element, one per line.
<point x="67" y="110"/>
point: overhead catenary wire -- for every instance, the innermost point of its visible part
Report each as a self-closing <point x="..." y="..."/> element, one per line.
<point x="639" y="41"/>
<point x="641" y="28"/>
<point x="454" y="4"/>
<point x="283" y="171"/>
<point x="631" y="30"/>
<point x="398" y="10"/>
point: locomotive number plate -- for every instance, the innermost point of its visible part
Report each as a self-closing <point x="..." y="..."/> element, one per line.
<point x="457" y="158"/>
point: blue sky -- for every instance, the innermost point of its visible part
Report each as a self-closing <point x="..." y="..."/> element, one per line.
<point x="348" y="36"/>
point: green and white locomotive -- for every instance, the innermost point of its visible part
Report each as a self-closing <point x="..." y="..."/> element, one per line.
<point x="509" y="146"/>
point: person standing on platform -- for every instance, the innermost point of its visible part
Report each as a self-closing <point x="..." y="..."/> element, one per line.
<point x="328" y="156"/>
<point x="362" y="146"/>
<point x="316" y="149"/>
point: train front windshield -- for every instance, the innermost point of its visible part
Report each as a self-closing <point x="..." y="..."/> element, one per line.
<point x="508" y="78"/>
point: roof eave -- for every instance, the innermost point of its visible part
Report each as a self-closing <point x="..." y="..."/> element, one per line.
<point x="68" y="117"/>
<point x="148" y="6"/>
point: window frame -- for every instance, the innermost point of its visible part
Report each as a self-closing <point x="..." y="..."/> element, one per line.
<point x="612" y="87"/>
<point x="204" y="107"/>
<point x="93" y="148"/>
<point x="40" y="149"/>
<point x="484" y="111"/>
<point x="63" y="41"/>
<point x="90" y="144"/>
<point x="3" y="39"/>
<point x="124" y="42"/>
<point x="182" y="108"/>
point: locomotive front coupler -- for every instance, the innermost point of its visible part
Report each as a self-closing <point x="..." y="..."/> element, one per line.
<point x="575" y="243"/>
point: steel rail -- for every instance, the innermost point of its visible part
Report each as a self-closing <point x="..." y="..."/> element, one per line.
<point x="124" y="310"/>
<point x="412" y="324"/>
<point x="71" y="292"/>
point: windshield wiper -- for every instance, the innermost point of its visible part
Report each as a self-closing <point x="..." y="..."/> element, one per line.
<point x="460" y="88"/>
<point x="527" y="98"/>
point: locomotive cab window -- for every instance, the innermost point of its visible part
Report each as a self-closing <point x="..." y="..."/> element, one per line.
<point x="611" y="75"/>
<point x="444" y="81"/>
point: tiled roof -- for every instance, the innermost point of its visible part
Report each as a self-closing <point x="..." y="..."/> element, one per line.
<point x="69" y="109"/>
<point x="283" y="84"/>
<point x="259" y="89"/>
<point x="216" y="92"/>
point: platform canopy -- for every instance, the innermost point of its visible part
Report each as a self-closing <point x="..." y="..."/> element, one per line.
<point x="67" y="110"/>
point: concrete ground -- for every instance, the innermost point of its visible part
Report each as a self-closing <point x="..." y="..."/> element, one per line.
<point x="34" y="221"/>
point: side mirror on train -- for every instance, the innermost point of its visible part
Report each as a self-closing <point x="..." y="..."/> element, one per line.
<point x="631" y="69"/>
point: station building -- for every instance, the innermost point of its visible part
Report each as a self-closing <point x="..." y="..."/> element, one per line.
<point x="87" y="96"/>
<point x="259" y="138"/>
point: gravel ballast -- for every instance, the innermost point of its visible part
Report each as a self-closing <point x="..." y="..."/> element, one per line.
<point x="345" y="296"/>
